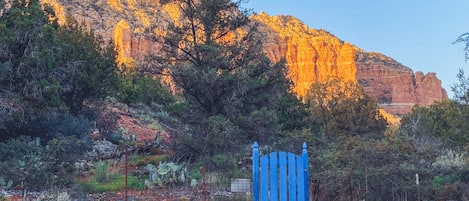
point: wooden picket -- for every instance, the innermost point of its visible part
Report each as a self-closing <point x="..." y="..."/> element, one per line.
<point x="280" y="176"/>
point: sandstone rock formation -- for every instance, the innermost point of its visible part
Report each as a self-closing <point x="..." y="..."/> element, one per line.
<point x="312" y="55"/>
<point x="397" y="88"/>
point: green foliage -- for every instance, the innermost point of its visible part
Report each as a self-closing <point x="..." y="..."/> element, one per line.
<point x="47" y="126"/>
<point x="54" y="196"/>
<point x="445" y="121"/>
<point x="354" y="159"/>
<point x="231" y="92"/>
<point x="293" y="113"/>
<point x="142" y="88"/>
<point x="52" y="67"/>
<point x="36" y="159"/>
<point x="139" y="160"/>
<point x="166" y="174"/>
<point x="5" y="185"/>
<point x="343" y="109"/>
<point x="105" y="179"/>
<point x="438" y="133"/>
<point x="461" y="89"/>
<point x="101" y="174"/>
<point x="37" y="165"/>
<point x="450" y="160"/>
<point x="115" y="183"/>
<point x="453" y="191"/>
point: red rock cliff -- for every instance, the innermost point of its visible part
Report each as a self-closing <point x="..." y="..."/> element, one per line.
<point x="315" y="54"/>
<point x="311" y="54"/>
<point x="397" y="88"/>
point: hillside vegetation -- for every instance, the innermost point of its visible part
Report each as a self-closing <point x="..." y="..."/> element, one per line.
<point x="208" y="96"/>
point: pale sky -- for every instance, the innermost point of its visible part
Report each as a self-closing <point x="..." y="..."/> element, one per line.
<point x="416" y="33"/>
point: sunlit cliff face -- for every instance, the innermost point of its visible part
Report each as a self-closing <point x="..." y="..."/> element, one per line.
<point x="58" y="9"/>
<point x="123" y="45"/>
<point x="311" y="55"/>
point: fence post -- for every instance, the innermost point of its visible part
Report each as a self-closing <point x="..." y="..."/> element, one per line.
<point x="255" y="171"/>
<point x="126" y="174"/>
<point x="305" y="167"/>
<point x="204" y="184"/>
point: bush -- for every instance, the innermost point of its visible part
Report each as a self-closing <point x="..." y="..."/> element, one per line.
<point x="34" y="157"/>
<point x="140" y="88"/>
<point x="450" y="160"/>
<point x="38" y="165"/>
<point x="47" y="126"/>
<point x="219" y="135"/>
<point x="139" y="160"/>
<point x="56" y="196"/>
<point x="53" y="67"/>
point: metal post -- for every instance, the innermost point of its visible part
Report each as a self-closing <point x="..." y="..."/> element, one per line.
<point x="255" y="171"/>
<point x="126" y="174"/>
<point x="418" y="188"/>
<point x="305" y="168"/>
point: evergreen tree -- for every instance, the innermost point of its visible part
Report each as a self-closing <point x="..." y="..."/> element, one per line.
<point x="216" y="62"/>
<point x="461" y="89"/>
<point x="343" y="109"/>
<point x="346" y="146"/>
<point x="52" y="67"/>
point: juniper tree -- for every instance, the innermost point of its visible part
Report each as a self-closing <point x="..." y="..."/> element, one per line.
<point x="215" y="60"/>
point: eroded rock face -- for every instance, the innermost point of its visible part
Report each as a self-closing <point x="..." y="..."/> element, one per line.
<point x="311" y="55"/>
<point x="397" y="88"/>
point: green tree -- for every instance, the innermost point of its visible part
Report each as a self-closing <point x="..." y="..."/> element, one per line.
<point x="138" y="87"/>
<point x="52" y="67"/>
<point x="343" y="109"/>
<point x="444" y="121"/>
<point x="349" y="159"/>
<point x="438" y="133"/>
<point x="215" y="61"/>
<point x="461" y="89"/>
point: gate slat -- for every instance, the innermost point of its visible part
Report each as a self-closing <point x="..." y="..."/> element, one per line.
<point x="291" y="176"/>
<point x="264" y="177"/>
<point x="300" y="178"/>
<point x="273" y="177"/>
<point x="283" y="175"/>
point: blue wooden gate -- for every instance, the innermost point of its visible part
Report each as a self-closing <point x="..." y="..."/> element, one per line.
<point x="280" y="176"/>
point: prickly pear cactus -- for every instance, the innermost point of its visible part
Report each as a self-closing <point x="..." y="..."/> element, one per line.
<point x="4" y="185"/>
<point x="166" y="174"/>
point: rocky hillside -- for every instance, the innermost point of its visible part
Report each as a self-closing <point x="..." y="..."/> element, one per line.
<point x="310" y="54"/>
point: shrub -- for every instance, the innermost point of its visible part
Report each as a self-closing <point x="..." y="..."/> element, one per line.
<point x="141" y="88"/>
<point x="450" y="159"/>
<point x="47" y="126"/>
<point x="138" y="160"/>
<point x="54" y="196"/>
<point x="37" y="164"/>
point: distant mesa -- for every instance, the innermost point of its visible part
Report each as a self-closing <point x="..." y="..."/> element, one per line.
<point x="311" y="54"/>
